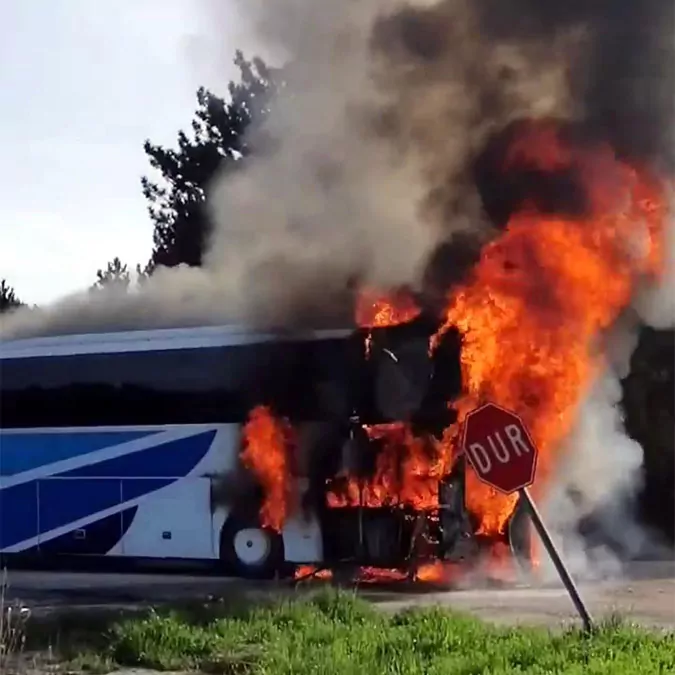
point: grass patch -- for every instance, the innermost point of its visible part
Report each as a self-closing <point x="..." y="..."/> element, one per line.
<point x="335" y="632"/>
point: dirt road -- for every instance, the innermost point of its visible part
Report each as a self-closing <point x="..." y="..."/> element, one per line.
<point x="646" y="595"/>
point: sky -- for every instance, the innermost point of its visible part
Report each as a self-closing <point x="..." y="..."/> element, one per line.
<point x="84" y="83"/>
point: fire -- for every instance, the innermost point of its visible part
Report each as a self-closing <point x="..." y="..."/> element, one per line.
<point x="543" y="293"/>
<point x="532" y="315"/>
<point x="439" y="572"/>
<point x="379" y="575"/>
<point x="307" y="571"/>
<point x="408" y="469"/>
<point x="374" y="309"/>
<point x="267" y="443"/>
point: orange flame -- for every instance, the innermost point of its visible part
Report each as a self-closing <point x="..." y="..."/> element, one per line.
<point x="542" y="295"/>
<point x="307" y="571"/>
<point x="379" y="575"/>
<point x="267" y="444"/>
<point x="439" y="572"/>
<point x="408" y="469"/>
<point x="374" y="309"/>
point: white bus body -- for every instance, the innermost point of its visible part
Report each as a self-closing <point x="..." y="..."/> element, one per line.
<point x="113" y="444"/>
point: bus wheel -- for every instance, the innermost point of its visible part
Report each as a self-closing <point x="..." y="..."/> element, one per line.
<point x="250" y="551"/>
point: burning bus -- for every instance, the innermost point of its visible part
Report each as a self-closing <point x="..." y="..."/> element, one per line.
<point x="260" y="452"/>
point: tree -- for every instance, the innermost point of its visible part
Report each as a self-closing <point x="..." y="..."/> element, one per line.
<point x="218" y="143"/>
<point x="118" y="273"/>
<point x="115" y="273"/>
<point x="8" y="299"/>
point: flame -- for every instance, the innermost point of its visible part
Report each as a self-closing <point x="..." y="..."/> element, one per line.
<point x="380" y="575"/>
<point x="440" y="572"/>
<point x="534" y="311"/>
<point x="267" y="445"/>
<point x="306" y="571"/>
<point x="375" y="309"/>
<point x="408" y="469"/>
<point x="431" y="572"/>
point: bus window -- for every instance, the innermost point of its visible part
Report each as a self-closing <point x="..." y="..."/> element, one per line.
<point x="126" y="388"/>
<point x="300" y="380"/>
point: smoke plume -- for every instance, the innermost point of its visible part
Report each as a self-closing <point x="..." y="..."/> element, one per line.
<point x="388" y="105"/>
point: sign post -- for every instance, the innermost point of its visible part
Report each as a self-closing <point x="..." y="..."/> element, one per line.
<point x="500" y="450"/>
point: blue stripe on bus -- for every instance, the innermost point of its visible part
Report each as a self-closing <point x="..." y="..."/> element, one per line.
<point x="73" y="495"/>
<point x="18" y="513"/>
<point x="64" y="501"/>
<point x="174" y="459"/>
<point x="24" y="452"/>
<point x="58" y="507"/>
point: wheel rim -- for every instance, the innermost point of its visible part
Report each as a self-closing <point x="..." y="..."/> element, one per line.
<point x="252" y="546"/>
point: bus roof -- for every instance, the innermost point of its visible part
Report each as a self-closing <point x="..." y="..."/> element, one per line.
<point x="154" y="340"/>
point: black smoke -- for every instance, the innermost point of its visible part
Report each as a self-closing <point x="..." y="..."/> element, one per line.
<point x="617" y="87"/>
<point x="626" y="83"/>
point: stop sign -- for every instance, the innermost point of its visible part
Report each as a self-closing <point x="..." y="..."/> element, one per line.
<point x="499" y="448"/>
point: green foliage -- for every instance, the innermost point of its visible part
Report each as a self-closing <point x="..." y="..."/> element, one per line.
<point x="8" y="298"/>
<point x="335" y="632"/>
<point x="218" y="143"/>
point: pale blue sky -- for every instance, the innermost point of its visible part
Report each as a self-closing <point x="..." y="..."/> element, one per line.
<point x="83" y="83"/>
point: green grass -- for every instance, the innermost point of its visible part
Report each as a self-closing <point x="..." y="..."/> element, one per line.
<point x="334" y="632"/>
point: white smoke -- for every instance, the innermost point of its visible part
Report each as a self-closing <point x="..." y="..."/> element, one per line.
<point x="601" y="473"/>
<point x="330" y="202"/>
<point x="346" y="195"/>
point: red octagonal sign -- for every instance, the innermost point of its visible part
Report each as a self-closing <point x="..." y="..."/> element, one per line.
<point x="499" y="448"/>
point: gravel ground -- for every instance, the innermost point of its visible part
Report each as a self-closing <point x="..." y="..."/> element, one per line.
<point x="646" y="595"/>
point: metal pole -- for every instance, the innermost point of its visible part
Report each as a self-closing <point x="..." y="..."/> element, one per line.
<point x="557" y="560"/>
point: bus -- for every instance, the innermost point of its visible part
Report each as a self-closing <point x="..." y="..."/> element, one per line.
<point x="126" y="446"/>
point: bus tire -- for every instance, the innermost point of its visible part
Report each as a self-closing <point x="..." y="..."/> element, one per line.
<point x="250" y="551"/>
